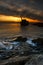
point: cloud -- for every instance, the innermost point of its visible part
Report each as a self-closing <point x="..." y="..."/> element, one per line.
<point x="26" y="8"/>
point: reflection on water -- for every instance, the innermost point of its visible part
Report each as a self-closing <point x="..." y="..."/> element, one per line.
<point x="11" y="30"/>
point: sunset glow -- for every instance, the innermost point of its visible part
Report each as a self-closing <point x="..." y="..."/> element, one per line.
<point x="9" y="18"/>
<point x="4" y="18"/>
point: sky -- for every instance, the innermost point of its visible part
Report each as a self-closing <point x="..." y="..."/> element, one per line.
<point x="12" y="10"/>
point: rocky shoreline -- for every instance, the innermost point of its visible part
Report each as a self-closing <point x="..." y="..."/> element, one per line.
<point x="19" y="50"/>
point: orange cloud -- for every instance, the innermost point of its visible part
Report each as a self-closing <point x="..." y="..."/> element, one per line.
<point x="5" y="18"/>
<point x="31" y="20"/>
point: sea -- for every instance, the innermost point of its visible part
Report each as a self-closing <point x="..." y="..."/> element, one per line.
<point x="10" y="30"/>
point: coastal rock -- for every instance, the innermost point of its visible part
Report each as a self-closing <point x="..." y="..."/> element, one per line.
<point x="36" y="60"/>
<point x="23" y="46"/>
<point x="21" y="39"/>
<point x="39" y="43"/>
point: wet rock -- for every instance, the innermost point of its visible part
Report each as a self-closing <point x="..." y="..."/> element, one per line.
<point x="17" y="63"/>
<point x="21" y="39"/>
<point x="15" y="60"/>
<point x="36" y="60"/>
<point x="39" y="43"/>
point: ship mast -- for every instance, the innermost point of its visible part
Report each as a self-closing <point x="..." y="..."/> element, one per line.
<point x="21" y="18"/>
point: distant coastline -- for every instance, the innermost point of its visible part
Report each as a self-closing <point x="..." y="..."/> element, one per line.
<point x="38" y="24"/>
<point x="9" y="22"/>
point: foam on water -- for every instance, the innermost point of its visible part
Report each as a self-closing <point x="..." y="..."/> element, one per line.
<point x="30" y="42"/>
<point x="2" y="45"/>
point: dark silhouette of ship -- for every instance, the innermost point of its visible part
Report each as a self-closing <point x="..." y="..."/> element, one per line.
<point x="24" y="22"/>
